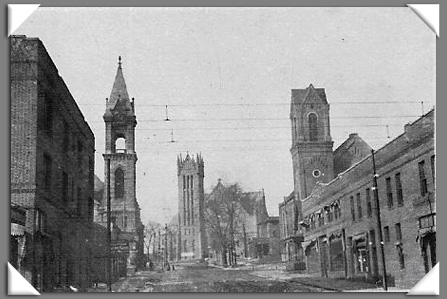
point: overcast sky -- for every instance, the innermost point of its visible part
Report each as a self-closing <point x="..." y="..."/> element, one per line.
<point x="226" y="75"/>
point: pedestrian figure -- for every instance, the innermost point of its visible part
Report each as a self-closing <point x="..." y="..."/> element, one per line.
<point x="173" y="268"/>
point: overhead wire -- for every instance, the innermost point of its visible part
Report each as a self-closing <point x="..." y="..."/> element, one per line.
<point x="191" y="103"/>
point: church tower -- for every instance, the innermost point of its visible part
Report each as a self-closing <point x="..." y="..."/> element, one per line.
<point x="120" y="122"/>
<point x="192" y="235"/>
<point x="311" y="140"/>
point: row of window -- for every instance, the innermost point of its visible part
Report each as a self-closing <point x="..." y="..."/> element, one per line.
<point x="313" y="126"/>
<point x="356" y="204"/>
<point x="188" y="200"/>
<point x="386" y="233"/>
<point x="185" y="245"/>
<point x="66" y="195"/>
<point x="387" y="239"/>
<point x="47" y="123"/>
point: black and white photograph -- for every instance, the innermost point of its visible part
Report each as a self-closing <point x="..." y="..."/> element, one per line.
<point x="223" y="149"/>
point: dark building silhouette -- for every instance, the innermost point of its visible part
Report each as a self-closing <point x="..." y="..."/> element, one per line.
<point x="52" y="173"/>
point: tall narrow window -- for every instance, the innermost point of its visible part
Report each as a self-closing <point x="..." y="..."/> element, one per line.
<point x="313" y="127"/>
<point x="40" y="220"/>
<point x="359" y="206"/>
<point x="422" y="178"/>
<point x="386" y="233"/>
<point x="399" y="192"/>
<point x="400" y="252"/>
<point x="192" y="204"/>
<point x="352" y="208"/>
<point x="398" y="232"/>
<point x="389" y="193"/>
<point x="119" y="183"/>
<point x="125" y="222"/>
<point x="48" y="172"/>
<point x="188" y="204"/>
<point x="184" y="200"/>
<point x="337" y="211"/>
<point x="184" y="207"/>
<point x="320" y="219"/>
<point x="368" y="203"/>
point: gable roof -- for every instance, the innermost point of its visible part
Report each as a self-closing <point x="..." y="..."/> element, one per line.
<point x="299" y="96"/>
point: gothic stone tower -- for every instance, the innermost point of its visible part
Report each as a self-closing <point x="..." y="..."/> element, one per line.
<point x="311" y="140"/>
<point x="120" y="122"/>
<point x="192" y="235"/>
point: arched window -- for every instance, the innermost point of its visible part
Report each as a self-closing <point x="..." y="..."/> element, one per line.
<point x="313" y="128"/>
<point x="120" y="145"/>
<point x="119" y="183"/>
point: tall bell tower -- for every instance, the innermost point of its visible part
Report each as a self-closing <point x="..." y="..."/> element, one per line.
<point x="120" y="122"/>
<point x="192" y="235"/>
<point x="311" y="140"/>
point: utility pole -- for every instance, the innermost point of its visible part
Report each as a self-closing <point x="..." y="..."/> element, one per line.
<point x="109" y="233"/>
<point x="159" y="245"/>
<point x="379" y="222"/>
<point x="166" y="244"/>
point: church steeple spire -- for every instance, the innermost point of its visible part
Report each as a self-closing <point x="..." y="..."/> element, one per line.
<point x="119" y="96"/>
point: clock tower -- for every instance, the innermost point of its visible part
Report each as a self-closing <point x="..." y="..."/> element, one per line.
<point x="311" y="140"/>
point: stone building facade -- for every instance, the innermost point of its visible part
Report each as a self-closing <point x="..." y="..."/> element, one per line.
<point x="120" y="122"/>
<point x="191" y="242"/>
<point x="250" y="212"/>
<point x="52" y="173"/>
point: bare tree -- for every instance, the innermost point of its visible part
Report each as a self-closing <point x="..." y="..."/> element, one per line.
<point x="150" y="232"/>
<point x="224" y="217"/>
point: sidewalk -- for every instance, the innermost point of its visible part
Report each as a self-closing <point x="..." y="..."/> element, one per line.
<point x="314" y="280"/>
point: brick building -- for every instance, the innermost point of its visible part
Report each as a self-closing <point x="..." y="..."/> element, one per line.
<point x="191" y="242"/>
<point x="120" y="122"/>
<point x="335" y="219"/>
<point x="52" y="165"/>
<point x="290" y="233"/>
<point x="267" y="245"/>
<point x="341" y="236"/>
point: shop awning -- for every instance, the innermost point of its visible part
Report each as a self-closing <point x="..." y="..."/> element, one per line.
<point x="425" y="231"/>
<point x="17" y="229"/>
<point x="422" y="233"/>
